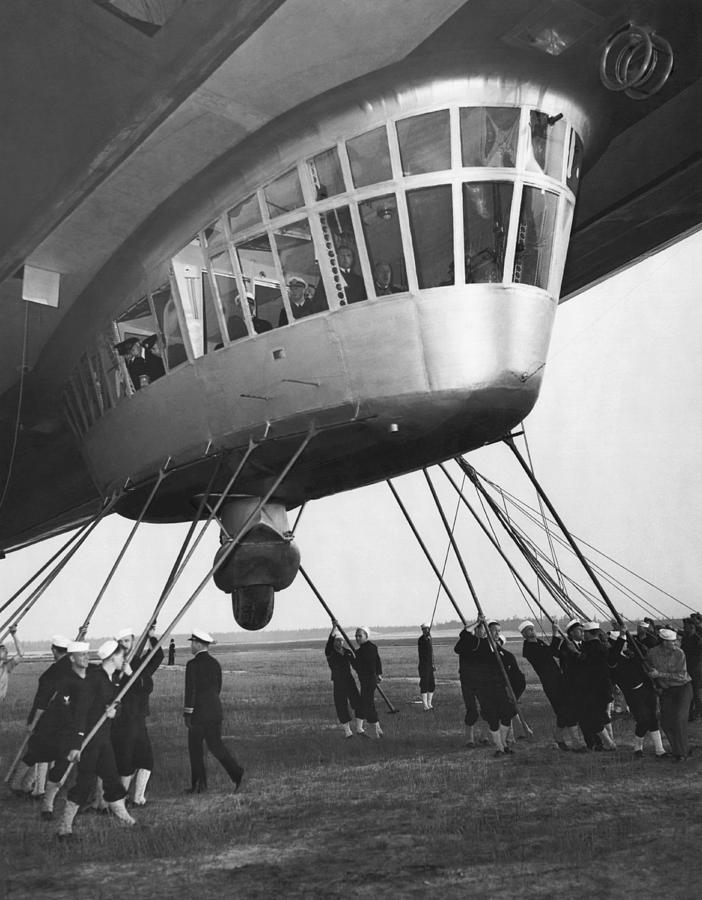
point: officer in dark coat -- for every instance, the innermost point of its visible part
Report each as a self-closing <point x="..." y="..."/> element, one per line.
<point x="55" y="723"/>
<point x="426" y="667"/>
<point x="171" y="653"/>
<point x="369" y="669"/>
<point x="339" y="659"/>
<point x="130" y="736"/>
<point x="544" y="659"/>
<point x="203" y="714"/>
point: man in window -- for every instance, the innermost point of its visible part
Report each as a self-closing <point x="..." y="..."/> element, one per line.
<point x="355" y="288"/>
<point x="382" y="280"/>
<point x="301" y="304"/>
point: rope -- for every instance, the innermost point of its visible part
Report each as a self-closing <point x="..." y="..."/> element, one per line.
<point x="18" y="416"/>
<point x="196" y="593"/>
<point x="446" y="556"/>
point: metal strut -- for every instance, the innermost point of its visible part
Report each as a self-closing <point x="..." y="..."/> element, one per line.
<point x="196" y="593"/>
<point x="491" y="641"/>
<point x="378" y="688"/>
<point x="162" y="473"/>
<point x="32" y="598"/>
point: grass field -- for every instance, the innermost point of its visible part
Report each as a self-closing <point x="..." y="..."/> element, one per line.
<point x="415" y="814"/>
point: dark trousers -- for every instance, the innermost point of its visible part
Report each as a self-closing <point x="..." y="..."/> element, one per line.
<point x="675" y="708"/>
<point x="643" y="705"/>
<point x="470" y="701"/>
<point x="368" y="710"/>
<point x="43" y="749"/>
<point x="345" y="694"/>
<point x="211" y="734"/>
<point x="561" y="703"/>
<point x="427" y="685"/>
<point x="496" y="708"/>
<point x="97" y="761"/>
<point x="132" y="745"/>
<point x="695" y="673"/>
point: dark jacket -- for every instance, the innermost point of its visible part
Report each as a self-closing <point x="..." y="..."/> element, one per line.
<point x="99" y="693"/>
<point x="543" y="658"/>
<point x="48" y="683"/>
<point x="135" y="702"/>
<point x="425" y="651"/>
<point x="63" y="722"/>
<point x="339" y="663"/>
<point x="367" y="662"/>
<point x="203" y="684"/>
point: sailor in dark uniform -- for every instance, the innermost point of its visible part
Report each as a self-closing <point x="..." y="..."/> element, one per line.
<point x="48" y="680"/>
<point x="203" y="714"/>
<point x="339" y="659"/>
<point x="300" y="304"/>
<point x="544" y="660"/>
<point x="355" y="289"/>
<point x="496" y="706"/>
<point x="466" y="676"/>
<point x="171" y="652"/>
<point x="97" y="759"/>
<point x="369" y="669"/>
<point x="54" y="727"/>
<point x="629" y="672"/>
<point x="130" y="737"/>
<point x="587" y="675"/>
<point x="426" y="667"/>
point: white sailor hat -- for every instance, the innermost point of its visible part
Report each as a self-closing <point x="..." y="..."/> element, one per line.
<point x="526" y="624"/>
<point x="667" y="634"/>
<point x="614" y="635"/>
<point x="591" y="626"/>
<point x="202" y="636"/>
<point x="364" y="628"/>
<point x="572" y="624"/>
<point x="124" y="633"/>
<point x="58" y="640"/>
<point x="106" y="650"/>
<point x="297" y="280"/>
<point x="493" y="622"/>
<point x="425" y="625"/>
<point x="77" y="646"/>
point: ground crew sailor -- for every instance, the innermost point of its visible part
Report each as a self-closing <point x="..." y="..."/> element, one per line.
<point x="369" y="669"/>
<point x="630" y="674"/>
<point x="426" y="667"/>
<point x="130" y="737"/>
<point x="496" y="706"/>
<point x="339" y="659"/>
<point x="7" y="664"/>
<point x="48" y="681"/>
<point x="588" y="676"/>
<point x="669" y="672"/>
<point x="466" y="676"/>
<point x="544" y="660"/>
<point x="97" y="759"/>
<point x="54" y="732"/>
<point x="203" y="714"/>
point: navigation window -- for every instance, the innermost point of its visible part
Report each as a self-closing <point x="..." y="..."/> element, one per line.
<point x="431" y="224"/>
<point x="537" y="219"/>
<point x="486" y="208"/>
<point x="425" y="143"/>
<point x="489" y="136"/>
<point x="369" y="157"/>
<point x="381" y="229"/>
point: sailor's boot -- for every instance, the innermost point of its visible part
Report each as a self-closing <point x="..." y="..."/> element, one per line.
<point x="347" y="729"/>
<point x="141" y="779"/>
<point x="425" y="702"/>
<point x="497" y="741"/>
<point x="47" y="804"/>
<point x="358" y="723"/>
<point x="42" y="770"/>
<point x="505" y="732"/>
<point x="98" y="803"/>
<point x="119" y="811"/>
<point x="65" y="828"/>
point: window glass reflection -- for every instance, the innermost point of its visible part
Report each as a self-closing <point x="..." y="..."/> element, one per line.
<point x="489" y="136"/>
<point x="425" y="143"/>
<point x="210" y="322"/>
<point x="169" y="326"/>
<point x="229" y="296"/>
<point x="214" y="233"/>
<point x="546" y="148"/>
<point x="381" y="230"/>
<point x="486" y="208"/>
<point x="431" y="225"/>
<point x="537" y="219"/>
<point x="575" y="162"/>
<point x="369" y="157"/>
<point x="300" y="270"/>
<point x="326" y="174"/>
<point x="260" y="282"/>
<point x="340" y="247"/>
<point x="244" y="215"/>
<point x="187" y="269"/>
<point x="284" y="194"/>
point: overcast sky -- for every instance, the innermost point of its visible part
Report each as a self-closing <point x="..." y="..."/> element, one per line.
<point x="614" y="439"/>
